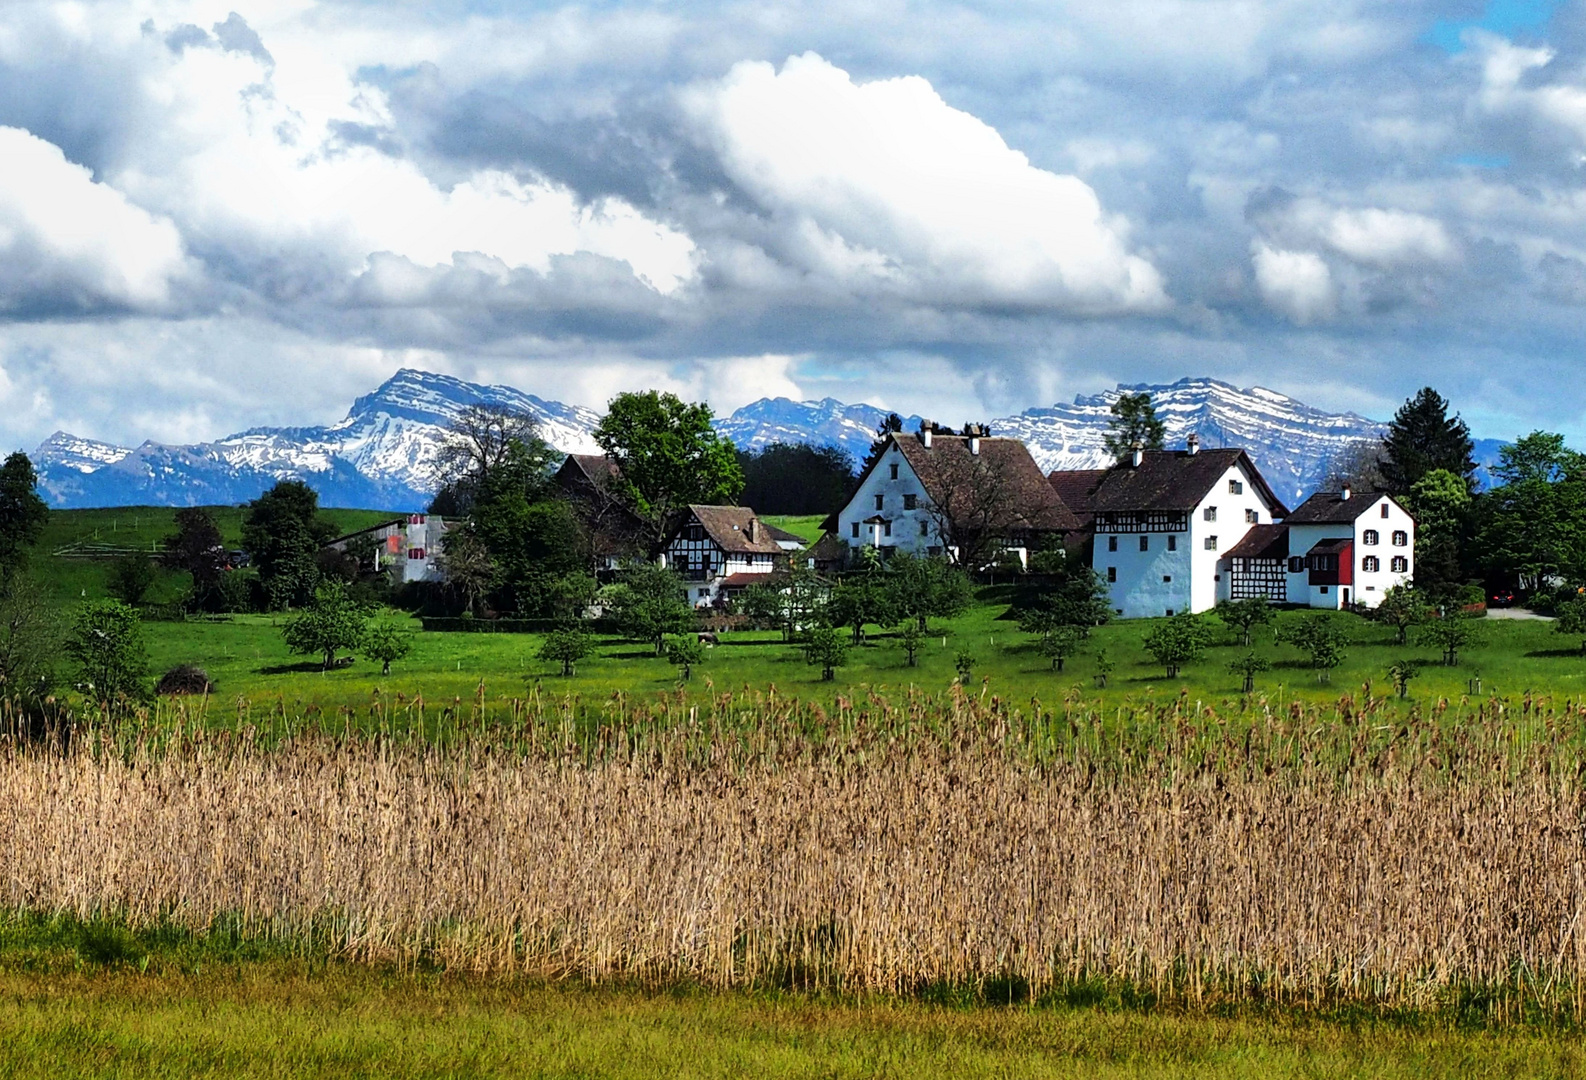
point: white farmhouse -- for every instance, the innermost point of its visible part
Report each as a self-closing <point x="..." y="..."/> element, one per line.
<point x="1346" y="547"/>
<point x="721" y="550"/>
<point x="1164" y="521"/>
<point x="927" y="484"/>
<point x="409" y="544"/>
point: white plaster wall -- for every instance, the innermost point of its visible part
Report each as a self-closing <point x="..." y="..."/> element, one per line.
<point x="1301" y="539"/>
<point x="906" y="524"/>
<point x="1229" y="528"/>
<point x="1369" y="588"/>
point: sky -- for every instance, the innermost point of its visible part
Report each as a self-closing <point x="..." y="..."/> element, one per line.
<point x="221" y="215"/>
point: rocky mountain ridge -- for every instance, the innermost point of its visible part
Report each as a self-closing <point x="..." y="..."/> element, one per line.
<point x="380" y="454"/>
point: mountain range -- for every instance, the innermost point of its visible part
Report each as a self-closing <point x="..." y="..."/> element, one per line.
<point x="380" y="454"/>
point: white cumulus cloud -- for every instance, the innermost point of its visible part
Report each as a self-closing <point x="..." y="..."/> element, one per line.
<point x="69" y="241"/>
<point x="885" y="186"/>
<point x="1295" y="283"/>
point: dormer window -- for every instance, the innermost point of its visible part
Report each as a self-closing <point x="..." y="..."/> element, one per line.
<point x="1210" y="513"/>
<point x="1236" y="487"/>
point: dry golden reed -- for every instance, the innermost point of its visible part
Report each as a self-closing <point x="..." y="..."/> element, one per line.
<point x="1290" y="854"/>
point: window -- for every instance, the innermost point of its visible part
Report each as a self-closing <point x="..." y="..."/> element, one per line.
<point x="1172" y="542"/>
<point x="1236" y="487"/>
<point x="925" y="528"/>
<point x="1384" y="509"/>
<point x="415" y="553"/>
<point x="1145" y="542"/>
<point x="1170" y="611"/>
<point x="1112" y="573"/>
<point x="1370" y="564"/>
<point x="1323" y="589"/>
<point x="1296" y="563"/>
<point x="856" y="530"/>
<point x="1211" y="543"/>
<point x="911" y="502"/>
<point x="695" y="531"/>
<point x="894" y="470"/>
<point x="1253" y="516"/>
<point x="1400" y="538"/>
<point x="1369" y="538"/>
<point x="878" y="502"/>
<point x="1210" y="513"/>
<point x="1167" y="579"/>
<point x="1112" y="543"/>
<point x="886" y="528"/>
<point x="1400" y="565"/>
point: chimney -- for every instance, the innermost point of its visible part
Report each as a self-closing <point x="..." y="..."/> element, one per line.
<point x="1193" y="443"/>
<point x="925" y="433"/>
<point x="1344" y="494"/>
<point x="754" y="530"/>
<point x="974" y="444"/>
<point x="1136" y="455"/>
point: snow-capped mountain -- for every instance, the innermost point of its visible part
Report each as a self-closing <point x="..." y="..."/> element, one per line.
<point x="1291" y="442"/>
<point x="380" y="454"/>
<point x="827" y="422"/>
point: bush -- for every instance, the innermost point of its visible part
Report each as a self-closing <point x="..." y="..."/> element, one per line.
<point x="185" y="679"/>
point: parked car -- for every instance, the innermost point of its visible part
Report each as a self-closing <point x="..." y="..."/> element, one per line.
<point x="1502" y="598"/>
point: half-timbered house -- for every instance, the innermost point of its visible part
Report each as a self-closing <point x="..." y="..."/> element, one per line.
<point x="719" y="551"/>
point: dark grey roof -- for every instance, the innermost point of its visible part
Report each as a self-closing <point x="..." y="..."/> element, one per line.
<point x="1330" y="508"/>
<point x="1262" y="542"/>
<point x="1174" y="480"/>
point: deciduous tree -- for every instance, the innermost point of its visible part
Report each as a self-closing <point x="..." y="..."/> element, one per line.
<point x="1243" y="616"/>
<point x="566" y="646"/>
<point x="1572" y="621"/>
<point x="648" y="605"/>
<point x="1178" y="640"/>
<point x="1321" y="638"/>
<point x="107" y="644"/>
<point x="683" y="653"/>
<point x="387" y="642"/>
<point x="826" y="649"/>
<point x="1402" y="607"/>
<point x="1454" y="631"/>
<point x="330" y="623"/>
<point x="131" y="577"/>
<point x="282" y="533"/>
<point x="1248" y="667"/>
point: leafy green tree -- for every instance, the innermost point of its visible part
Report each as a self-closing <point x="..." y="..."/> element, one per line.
<point x="107" y="644"/>
<point x="927" y="588"/>
<point x="1243" y="616"/>
<point x="330" y="623"/>
<point x="683" y="653"/>
<point x="198" y="548"/>
<point x="1572" y="621"/>
<point x="1321" y="638"/>
<point x="386" y="642"/>
<point x="1441" y="502"/>
<point x="795" y="478"/>
<point x="668" y="455"/>
<point x="1401" y="672"/>
<point x="1402" y="607"/>
<point x="648" y="604"/>
<point x="790" y="603"/>
<point x="31" y="634"/>
<point x="911" y="638"/>
<point x="964" y="664"/>
<point x="1060" y="644"/>
<point x="283" y="533"/>
<point x="1422" y="438"/>
<point x="486" y="450"/>
<point x="1532" y="527"/>
<point x="572" y="593"/>
<point x="468" y="568"/>
<point x="131" y="577"/>
<point x="1134" y="423"/>
<point x="1249" y="666"/>
<point x="1454" y="631"/>
<point x="826" y="649"/>
<point x="566" y="646"/>
<point x="22" y="513"/>
<point x="1176" y="641"/>
<point x="862" y="599"/>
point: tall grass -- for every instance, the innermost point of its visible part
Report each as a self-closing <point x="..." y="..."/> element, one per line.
<point x="1286" y="854"/>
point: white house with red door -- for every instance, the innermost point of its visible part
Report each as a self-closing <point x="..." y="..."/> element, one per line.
<point x="409" y="544"/>
<point x="1347" y="547"/>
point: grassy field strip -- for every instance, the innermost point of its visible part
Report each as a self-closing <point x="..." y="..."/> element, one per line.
<point x="262" y="1021"/>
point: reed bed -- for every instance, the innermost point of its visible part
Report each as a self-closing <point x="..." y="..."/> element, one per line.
<point x="1258" y="852"/>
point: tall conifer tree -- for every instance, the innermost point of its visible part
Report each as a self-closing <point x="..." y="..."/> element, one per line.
<point x="1423" y="438"/>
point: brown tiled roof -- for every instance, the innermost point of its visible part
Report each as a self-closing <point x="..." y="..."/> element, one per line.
<point x="743" y="579"/>
<point x="1262" y="542"/>
<point x="729" y="526"/>
<point x="783" y="535"/>
<point x="1077" y="488"/>
<point x="596" y="469"/>
<point x="1174" y="480"/>
<point x="1326" y="508"/>
<point x="830" y="548"/>
<point x="1031" y="501"/>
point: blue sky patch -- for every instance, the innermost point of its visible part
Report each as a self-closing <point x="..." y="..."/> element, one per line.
<point x="1505" y="17"/>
